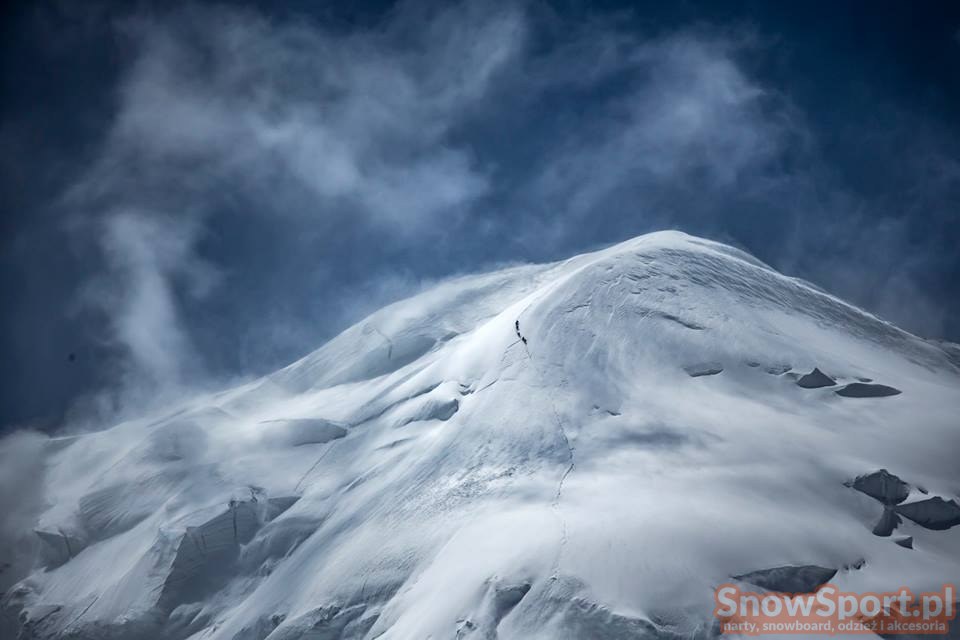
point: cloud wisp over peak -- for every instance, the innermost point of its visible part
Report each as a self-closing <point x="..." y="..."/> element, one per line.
<point x="262" y="179"/>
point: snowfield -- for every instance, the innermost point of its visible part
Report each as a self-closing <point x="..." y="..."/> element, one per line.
<point x="575" y="450"/>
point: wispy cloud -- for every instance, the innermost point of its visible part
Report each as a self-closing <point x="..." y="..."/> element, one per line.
<point x="264" y="181"/>
<point x="147" y="256"/>
<point x="352" y="122"/>
<point x="22" y="464"/>
<point x="685" y="114"/>
<point x="291" y="121"/>
<point x="275" y="170"/>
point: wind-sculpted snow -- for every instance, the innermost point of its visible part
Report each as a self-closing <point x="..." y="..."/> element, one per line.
<point x="580" y="449"/>
<point x="906" y="543"/>
<point x="300" y="431"/>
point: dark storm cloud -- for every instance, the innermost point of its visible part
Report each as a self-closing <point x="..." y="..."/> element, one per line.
<point x="262" y="180"/>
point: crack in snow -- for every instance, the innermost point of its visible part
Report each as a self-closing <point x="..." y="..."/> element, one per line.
<point x="66" y="541"/>
<point x="79" y="615"/>
<point x="313" y="467"/>
<point x="387" y="340"/>
<point x="558" y="495"/>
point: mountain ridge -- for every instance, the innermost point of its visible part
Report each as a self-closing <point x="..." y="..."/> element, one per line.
<point x="583" y="448"/>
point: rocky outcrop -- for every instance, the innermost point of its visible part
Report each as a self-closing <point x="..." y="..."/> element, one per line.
<point x="887" y="523"/>
<point x="865" y="390"/>
<point x="883" y="486"/>
<point x="789" y="579"/>
<point x="934" y="513"/>
<point x="703" y="369"/>
<point x="816" y="379"/>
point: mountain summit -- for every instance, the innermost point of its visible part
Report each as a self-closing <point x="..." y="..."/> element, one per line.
<point x="582" y="449"/>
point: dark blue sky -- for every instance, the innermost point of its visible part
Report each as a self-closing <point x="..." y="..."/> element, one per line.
<point x="194" y="192"/>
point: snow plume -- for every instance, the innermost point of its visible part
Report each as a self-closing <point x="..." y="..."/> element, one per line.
<point x="266" y="181"/>
<point x="227" y="115"/>
<point x="147" y="256"/>
<point x="22" y="464"/>
<point x="302" y="120"/>
<point x="427" y="473"/>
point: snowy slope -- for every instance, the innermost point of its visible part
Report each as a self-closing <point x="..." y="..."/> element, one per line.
<point x="430" y="474"/>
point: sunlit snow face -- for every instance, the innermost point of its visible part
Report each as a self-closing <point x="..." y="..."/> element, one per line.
<point x="580" y="449"/>
<point x="231" y="212"/>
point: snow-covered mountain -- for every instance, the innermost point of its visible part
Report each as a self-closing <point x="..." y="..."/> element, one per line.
<point x="574" y="450"/>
